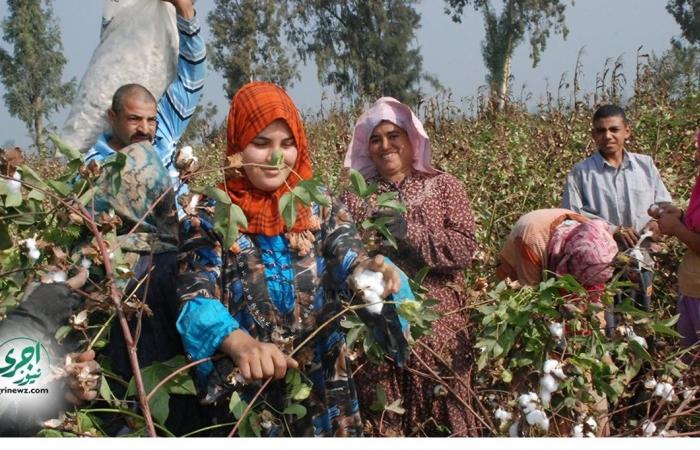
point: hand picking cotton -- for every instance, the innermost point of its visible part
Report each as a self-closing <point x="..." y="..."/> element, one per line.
<point x="119" y="59"/>
<point x="371" y="286"/>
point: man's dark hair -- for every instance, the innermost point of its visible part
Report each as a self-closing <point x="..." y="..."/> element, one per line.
<point x="130" y="90"/>
<point x="606" y="111"/>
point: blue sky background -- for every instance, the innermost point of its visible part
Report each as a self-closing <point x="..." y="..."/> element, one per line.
<point x="603" y="28"/>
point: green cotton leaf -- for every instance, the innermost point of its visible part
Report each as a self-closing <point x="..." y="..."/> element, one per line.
<point x="36" y="195"/>
<point x="628" y="307"/>
<point x="302" y="194"/>
<point x="315" y="190"/>
<point x="13" y="199"/>
<point x="62" y="333"/>
<point x="238" y="216"/>
<point x="301" y="392"/>
<point x="223" y="224"/>
<point x="32" y="177"/>
<point x="288" y="210"/>
<point x="293" y="377"/>
<point x="106" y="393"/>
<point x="160" y="406"/>
<point x="379" y="400"/>
<point x="217" y="194"/>
<point x="672" y="321"/>
<point x="352" y="336"/>
<point x="277" y="159"/>
<point x="65" y="149"/>
<point x="61" y="188"/>
<point x="295" y="409"/>
<point x="87" y="196"/>
<point x="506" y="376"/>
<point x="660" y="328"/>
<point x="236" y="406"/>
<point x="358" y="183"/>
<point x="421" y="274"/>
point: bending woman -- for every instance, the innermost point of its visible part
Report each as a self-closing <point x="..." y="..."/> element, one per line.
<point x="258" y="301"/>
<point x="390" y="147"/>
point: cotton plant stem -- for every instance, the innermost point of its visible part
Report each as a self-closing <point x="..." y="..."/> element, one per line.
<point x="116" y="299"/>
<point x="484" y="420"/>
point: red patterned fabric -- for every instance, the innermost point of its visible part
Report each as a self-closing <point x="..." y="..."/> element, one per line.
<point x="254" y="107"/>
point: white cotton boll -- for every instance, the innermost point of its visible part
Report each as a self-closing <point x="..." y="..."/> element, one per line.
<point x="56" y="277"/>
<point x="557" y="329"/>
<point x="34" y="254"/>
<point x="372" y="286"/>
<point x="110" y="254"/>
<point x="550" y="365"/>
<point x="650" y="384"/>
<point x="577" y="431"/>
<point x="546" y="396"/>
<point x="14" y="185"/>
<point x="85" y="263"/>
<point x="538" y="418"/>
<point x="590" y="435"/>
<point x="689" y="393"/>
<point x="664" y="390"/>
<point x="503" y="415"/>
<point x="513" y="430"/>
<point x="525" y="400"/>
<point x="648" y="427"/>
<point x="186" y="152"/>
<point x="549" y="383"/>
<point x="592" y="424"/>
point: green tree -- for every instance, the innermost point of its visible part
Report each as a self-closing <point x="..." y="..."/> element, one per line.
<point x="247" y="43"/>
<point x="505" y="30"/>
<point x="32" y="72"/>
<point x="363" y="48"/>
<point x="687" y="14"/>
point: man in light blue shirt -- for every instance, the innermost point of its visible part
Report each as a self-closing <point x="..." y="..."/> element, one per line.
<point x="135" y="116"/>
<point x="613" y="184"/>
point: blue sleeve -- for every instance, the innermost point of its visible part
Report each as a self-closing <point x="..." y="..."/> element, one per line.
<point x="203" y="324"/>
<point x="176" y="107"/>
<point x="405" y="293"/>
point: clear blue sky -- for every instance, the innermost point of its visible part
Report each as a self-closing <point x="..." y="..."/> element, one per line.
<point x="606" y="28"/>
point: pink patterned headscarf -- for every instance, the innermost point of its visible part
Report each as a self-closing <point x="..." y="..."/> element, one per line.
<point x="392" y="110"/>
<point x="584" y="250"/>
<point x="692" y="215"/>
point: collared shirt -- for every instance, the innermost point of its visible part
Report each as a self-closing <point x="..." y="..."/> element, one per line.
<point x="177" y="105"/>
<point x="620" y="196"/>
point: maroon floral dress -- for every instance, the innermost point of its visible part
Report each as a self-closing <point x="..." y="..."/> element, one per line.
<point x="440" y="235"/>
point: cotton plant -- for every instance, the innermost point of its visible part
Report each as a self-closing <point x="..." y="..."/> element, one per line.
<point x="530" y="406"/>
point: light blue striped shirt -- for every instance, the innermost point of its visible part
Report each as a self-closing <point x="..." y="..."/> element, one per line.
<point x="621" y="196"/>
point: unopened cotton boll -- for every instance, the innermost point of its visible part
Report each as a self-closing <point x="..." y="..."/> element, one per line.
<point x="503" y="415"/>
<point x="557" y="329"/>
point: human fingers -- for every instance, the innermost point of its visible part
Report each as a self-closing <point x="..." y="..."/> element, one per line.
<point x="84" y="356"/>
<point x="78" y="280"/>
<point x="392" y="280"/>
<point x="279" y="361"/>
<point x="256" y="370"/>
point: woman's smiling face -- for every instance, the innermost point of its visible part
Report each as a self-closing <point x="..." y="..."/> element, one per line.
<point x="391" y="151"/>
<point x="276" y="136"/>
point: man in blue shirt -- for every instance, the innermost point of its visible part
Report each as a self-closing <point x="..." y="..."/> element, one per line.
<point x="614" y="184"/>
<point x="135" y="115"/>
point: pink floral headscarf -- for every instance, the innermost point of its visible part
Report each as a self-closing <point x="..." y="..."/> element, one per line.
<point x="392" y="110"/>
<point x="692" y="215"/>
<point x="584" y="250"/>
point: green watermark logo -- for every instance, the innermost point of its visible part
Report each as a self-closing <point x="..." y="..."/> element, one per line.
<point x="23" y="362"/>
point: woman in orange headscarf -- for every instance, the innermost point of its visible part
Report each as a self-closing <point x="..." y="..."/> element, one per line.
<point x="260" y="300"/>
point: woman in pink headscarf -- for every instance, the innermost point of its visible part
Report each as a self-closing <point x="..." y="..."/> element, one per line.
<point x="390" y="148"/>
<point x="560" y="241"/>
<point x="685" y="225"/>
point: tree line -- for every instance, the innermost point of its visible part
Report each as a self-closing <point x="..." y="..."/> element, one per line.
<point x="362" y="48"/>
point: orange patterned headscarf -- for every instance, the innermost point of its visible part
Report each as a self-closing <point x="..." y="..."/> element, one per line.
<point x="254" y="107"/>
